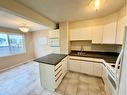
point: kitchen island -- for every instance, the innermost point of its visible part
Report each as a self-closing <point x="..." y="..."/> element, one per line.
<point x="53" y="68"/>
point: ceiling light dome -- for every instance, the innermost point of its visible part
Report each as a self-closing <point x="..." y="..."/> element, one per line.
<point x="24" y="28"/>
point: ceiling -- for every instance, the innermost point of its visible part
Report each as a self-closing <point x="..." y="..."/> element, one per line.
<point x="71" y="10"/>
<point x="12" y="21"/>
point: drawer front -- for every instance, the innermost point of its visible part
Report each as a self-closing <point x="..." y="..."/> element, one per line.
<point x="58" y="75"/>
<point x="65" y="59"/>
<point x="58" y="66"/>
<point x="58" y="70"/>
<point x="74" y="65"/>
<point x="58" y="80"/>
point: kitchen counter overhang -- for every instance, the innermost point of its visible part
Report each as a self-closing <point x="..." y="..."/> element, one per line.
<point x="51" y="59"/>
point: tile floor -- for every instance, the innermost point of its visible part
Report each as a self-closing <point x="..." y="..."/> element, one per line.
<point x="25" y="79"/>
<point x="80" y="84"/>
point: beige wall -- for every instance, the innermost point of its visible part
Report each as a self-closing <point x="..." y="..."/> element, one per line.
<point x="9" y="61"/>
<point x="40" y="49"/>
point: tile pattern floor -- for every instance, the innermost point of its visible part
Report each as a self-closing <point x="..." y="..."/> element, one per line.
<point x="80" y="84"/>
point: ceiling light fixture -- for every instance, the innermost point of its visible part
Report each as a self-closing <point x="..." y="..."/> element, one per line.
<point x="97" y="4"/>
<point x="24" y="28"/>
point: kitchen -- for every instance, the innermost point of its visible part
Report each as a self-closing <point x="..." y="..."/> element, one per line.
<point x="82" y="53"/>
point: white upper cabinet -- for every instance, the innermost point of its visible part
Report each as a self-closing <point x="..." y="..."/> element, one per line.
<point x="122" y="21"/>
<point x="110" y="28"/>
<point x="109" y="33"/>
<point x="120" y="30"/>
<point x="80" y="34"/>
<point x="97" y="32"/>
<point x="106" y="30"/>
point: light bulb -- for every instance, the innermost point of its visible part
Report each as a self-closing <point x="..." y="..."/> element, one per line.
<point x="24" y="29"/>
<point x="97" y="4"/>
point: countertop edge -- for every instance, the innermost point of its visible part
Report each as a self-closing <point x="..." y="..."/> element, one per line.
<point x="50" y="63"/>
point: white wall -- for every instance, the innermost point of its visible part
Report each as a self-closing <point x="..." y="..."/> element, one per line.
<point x="41" y="48"/>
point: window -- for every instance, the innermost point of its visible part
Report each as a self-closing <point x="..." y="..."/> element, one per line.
<point x="11" y="44"/>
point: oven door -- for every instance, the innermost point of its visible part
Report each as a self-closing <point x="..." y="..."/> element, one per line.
<point x="111" y="82"/>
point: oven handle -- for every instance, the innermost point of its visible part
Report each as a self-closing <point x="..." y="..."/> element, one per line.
<point x="117" y="61"/>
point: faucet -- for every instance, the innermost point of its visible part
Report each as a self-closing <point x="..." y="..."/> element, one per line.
<point x="81" y="49"/>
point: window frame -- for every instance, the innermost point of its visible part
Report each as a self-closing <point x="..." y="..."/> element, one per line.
<point x="24" y="45"/>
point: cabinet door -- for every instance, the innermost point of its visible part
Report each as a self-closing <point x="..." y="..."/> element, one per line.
<point x="80" y="34"/>
<point x="120" y="30"/>
<point x="109" y="33"/>
<point x="97" y="34"/>
<point x="87" y="67"/>
<point x="54" y="34"/>
<point x="74" y="65"/>
<point x="97" y="69"/>
<point x="104" y="74"/>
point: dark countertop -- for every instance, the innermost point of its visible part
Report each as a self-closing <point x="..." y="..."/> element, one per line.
<point x="109" y="57"/>
<point x="51" y="59"/>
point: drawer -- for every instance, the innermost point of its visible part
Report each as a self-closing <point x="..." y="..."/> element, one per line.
<point x="58" y="75"/>
<point x="58" y="70"/>
<point x="58" y="66"/>
<point x="65" y="59"/>
<point x="58" y="80"/>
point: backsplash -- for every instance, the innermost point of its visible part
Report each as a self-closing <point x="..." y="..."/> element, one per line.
<point x="88" y="46"/>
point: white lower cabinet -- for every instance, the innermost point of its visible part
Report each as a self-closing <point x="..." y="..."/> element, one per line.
<point x="86" y="67"/>
<point x="51" y="75"/>
<point x="97" y="69"/>
<point x="74" y="65"/>
<point x="104" y="74"/>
